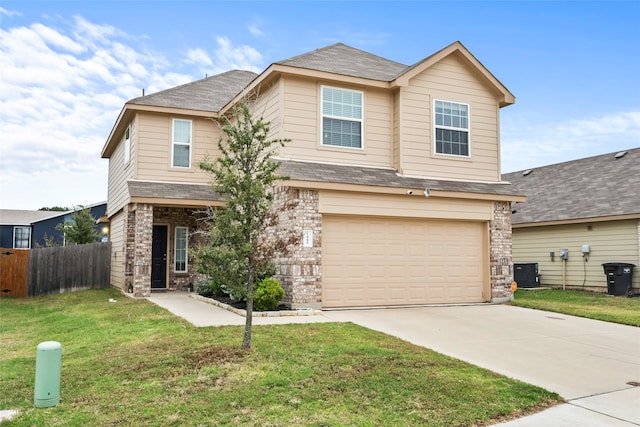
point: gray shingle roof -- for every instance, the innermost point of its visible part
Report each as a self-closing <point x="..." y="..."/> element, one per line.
<point x="341" y="174"/>
<point x="208" y="94"/>
<point x="587" y="188"/>
<point x="345" y="60"/>
<point x="25" y="217"/>
<point x="171" y="191"/>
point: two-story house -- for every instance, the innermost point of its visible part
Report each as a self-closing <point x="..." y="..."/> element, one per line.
<point x="395" y="170"/>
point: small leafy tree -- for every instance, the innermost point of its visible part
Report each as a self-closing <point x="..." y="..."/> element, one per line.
<point x="81" y="228"/>
<point x="237" y="253"/>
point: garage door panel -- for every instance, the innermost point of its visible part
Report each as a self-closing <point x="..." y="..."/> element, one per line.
<point x="397" y="261"/>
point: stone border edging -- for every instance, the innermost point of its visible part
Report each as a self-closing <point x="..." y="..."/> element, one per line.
<point x="243" y="313"/>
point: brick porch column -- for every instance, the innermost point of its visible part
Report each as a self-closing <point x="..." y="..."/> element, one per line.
<point x="501" y="256"/>
<point x="143" y="236"/>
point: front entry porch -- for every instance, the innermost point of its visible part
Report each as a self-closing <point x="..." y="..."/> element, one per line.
<point x="157" y="248"/>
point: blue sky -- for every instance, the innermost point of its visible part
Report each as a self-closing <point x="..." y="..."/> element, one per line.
<point x="68" y="67"/>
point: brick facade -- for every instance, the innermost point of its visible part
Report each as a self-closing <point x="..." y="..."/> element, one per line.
<point x="501" y="258"/>
<point x="300" y="271"/>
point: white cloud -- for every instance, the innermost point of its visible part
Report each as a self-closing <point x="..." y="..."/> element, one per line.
<point x="199" y="58"/>
<point x="526" y="144"/>
<point x="9" y="13"/>
<point x="255" y="30"/>
<point x="62" y="88"/>
<point x="229" y="57"/>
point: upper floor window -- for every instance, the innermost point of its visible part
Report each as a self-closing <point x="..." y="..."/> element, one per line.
<point x="21" y="237"/>
<point x="341" y="117"/>
<point x="181" y="146"/>
<point x="452" y="128"/>
<point x="127" y="146"/>
<point x="181" y="250"/>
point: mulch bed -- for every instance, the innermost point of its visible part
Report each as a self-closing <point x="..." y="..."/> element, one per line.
<point x="242" y="305"/>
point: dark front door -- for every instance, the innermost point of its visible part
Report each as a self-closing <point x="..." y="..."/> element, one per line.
<point x="159" y="257"/>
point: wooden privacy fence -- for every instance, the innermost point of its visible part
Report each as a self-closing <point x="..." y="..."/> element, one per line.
<point x="14" y="266"/>
<point x="69" y="268"/>
<point x="43" y="271"/>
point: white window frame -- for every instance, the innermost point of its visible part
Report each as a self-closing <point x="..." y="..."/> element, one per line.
<point x="466" y="129"/>
<point x="175" y="143"/>
<point x="341" y="117"/>
<point x="186" y="250"/>
<point x="28" y="237"/>
<point x="127" y="145"/>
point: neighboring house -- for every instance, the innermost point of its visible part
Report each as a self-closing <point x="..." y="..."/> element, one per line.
<point x="25" y="229"/>
<point x="395" y="168"/>
<point x="593" y="201"/>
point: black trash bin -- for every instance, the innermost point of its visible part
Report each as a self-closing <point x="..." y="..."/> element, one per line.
<point x="618" y="277"/>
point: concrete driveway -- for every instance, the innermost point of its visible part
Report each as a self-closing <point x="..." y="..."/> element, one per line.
<point x="588" y="362"/>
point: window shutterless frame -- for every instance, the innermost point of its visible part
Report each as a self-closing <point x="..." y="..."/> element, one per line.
<point x="181" y="137"/>
<point x="21" y="237"/>
<point x="341" y="122"/>
<point x="180" y="249"/>
<point x="127" y="145"/>
<point x="451" y="128"/>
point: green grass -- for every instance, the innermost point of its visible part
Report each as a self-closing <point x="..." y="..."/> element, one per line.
<point x="133" y="363"/>
<point x="619" y="309"/>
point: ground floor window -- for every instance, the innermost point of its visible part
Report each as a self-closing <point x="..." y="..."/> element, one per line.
<point x="180" y="265"/>
<point x="22" y="237"/>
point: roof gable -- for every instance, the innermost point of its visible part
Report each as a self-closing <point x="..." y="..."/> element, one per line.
<point x="467" y="58"/>
<point x="345" y="60"/>
<point x="599" y="186"/>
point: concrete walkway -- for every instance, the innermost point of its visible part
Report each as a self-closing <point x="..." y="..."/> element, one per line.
<point x="587" y="362"/>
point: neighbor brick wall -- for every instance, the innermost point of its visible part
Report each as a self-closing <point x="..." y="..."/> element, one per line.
<point x="300" y="271"/>
<point x="501" y="258"/>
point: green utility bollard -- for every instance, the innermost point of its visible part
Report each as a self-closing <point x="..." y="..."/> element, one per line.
<point x="48" y="363"/>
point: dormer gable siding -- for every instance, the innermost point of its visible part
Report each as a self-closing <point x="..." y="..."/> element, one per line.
<point x="415" y="154"/>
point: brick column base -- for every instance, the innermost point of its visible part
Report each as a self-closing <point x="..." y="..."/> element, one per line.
<point x="501" y="257"/>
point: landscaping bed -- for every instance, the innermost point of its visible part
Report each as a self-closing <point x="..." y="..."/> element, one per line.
<point x="240" y="308"/>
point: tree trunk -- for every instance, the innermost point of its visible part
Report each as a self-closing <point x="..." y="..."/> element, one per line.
<point x="246" y="342"/>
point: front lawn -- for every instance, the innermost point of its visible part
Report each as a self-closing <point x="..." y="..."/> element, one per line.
<point x="132" y="363"/>
<point x="619" y="309"/>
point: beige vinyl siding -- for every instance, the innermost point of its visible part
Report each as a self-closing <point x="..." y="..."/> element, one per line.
<point x="154" y="148"/>
<point x="302" y="117"/>
<point x="613" y="241"/>
<point x="267" y="106"/>
<point x="116" y="236"/>
<point x="415" y="206"/>
<point x="119" y="173"/>
<point x="449" y="80"/>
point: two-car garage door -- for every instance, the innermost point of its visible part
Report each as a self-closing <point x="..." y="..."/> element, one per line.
<point x="382" y="261"/>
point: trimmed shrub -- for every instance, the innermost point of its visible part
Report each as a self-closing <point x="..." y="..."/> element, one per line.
<point x="207" y="288"/>
<point x="267" y="294"/>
